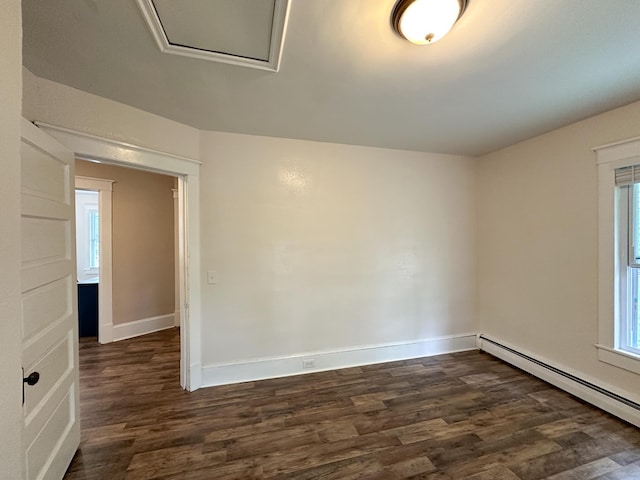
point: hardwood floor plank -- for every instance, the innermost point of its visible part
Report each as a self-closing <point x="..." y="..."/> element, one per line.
<point x="499" y="472"/>
<point x="597" y="468"/>
<point x="449" y="417"/>
<point x="627" y="472"/>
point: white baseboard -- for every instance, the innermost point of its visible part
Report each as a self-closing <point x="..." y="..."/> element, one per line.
<point x="122" y="331"/>
<point x="607" y="398"/>
<point x="195" y="377"/>
<point x="261" y="369"/>
<point x="105" y="333"/>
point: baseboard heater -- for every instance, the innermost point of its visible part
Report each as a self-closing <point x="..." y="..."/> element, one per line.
<point x="609" y="401"/>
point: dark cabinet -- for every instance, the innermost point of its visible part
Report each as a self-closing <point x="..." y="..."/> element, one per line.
<point x="88" y="309"/>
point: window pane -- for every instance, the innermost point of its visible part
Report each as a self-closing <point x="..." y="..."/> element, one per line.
<point x="635" y="225"/>
<point x="94" y="239"/>
<point x="630" y="333"/>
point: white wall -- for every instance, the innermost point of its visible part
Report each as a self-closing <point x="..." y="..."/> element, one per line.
<point x="324" y="247"/>
<point x="59" y="105"/>
<point x="317" y="247"/>
<point x="10" y="334"/>
<point x="537" y="245"/>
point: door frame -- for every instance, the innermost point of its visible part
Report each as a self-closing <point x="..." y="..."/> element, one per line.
<point x="91" y="147"/>
<point x="104" y="188"/>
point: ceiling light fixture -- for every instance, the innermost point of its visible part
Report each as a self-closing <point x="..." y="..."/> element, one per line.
<point x="426" y="21"/>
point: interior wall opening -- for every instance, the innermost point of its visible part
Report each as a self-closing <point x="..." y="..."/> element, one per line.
<point x="87" y="261"/>
<point x="137" y="290"/>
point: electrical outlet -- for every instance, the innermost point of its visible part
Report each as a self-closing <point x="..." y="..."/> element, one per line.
<point x="309" y="363"/>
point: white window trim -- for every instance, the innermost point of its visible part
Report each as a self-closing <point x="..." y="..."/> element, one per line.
<point x="609" y="157"/>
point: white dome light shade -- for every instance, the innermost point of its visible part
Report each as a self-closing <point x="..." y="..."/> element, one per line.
<point x="426" y="21"/>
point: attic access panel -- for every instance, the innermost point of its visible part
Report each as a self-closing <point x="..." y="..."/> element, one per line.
<point x="248" y="33"/>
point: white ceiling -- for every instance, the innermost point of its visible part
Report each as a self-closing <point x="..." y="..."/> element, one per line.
<point x="509" y="70"/>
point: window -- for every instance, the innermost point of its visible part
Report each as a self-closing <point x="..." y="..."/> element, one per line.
<point x="87" y="235"/>
<point x="94" y="239"/>
<point x="619" y="254"/>
<point x="628" y="258"/>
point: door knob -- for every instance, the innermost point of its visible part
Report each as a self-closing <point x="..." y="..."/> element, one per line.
<point x="32" y="379"/>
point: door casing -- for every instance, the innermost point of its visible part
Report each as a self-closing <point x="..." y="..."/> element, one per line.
<point x="90" y="147"/>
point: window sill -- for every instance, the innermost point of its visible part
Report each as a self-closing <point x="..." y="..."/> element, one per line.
<point x="618" y="358"/>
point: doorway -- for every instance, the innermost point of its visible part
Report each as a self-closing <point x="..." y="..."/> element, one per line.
<point x="104" y="315"/>
<point x="140" y="249"/>
<point x="90" y="147"/>
<point x="87" y="261"/>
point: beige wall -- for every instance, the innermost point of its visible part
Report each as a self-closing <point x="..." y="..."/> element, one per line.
<point x="326" y="247"/>
<point x="537" y="244"/>
<point x="143" y="241"/>
<point x="10" y="334"/>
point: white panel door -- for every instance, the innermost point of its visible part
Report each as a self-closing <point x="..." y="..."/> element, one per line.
<point x="49" y="306"/>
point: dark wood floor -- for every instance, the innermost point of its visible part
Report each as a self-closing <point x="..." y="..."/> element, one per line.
<point x="450" y="417"/>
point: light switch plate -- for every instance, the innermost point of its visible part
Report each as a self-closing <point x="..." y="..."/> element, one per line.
<point x="212" y="277"/>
